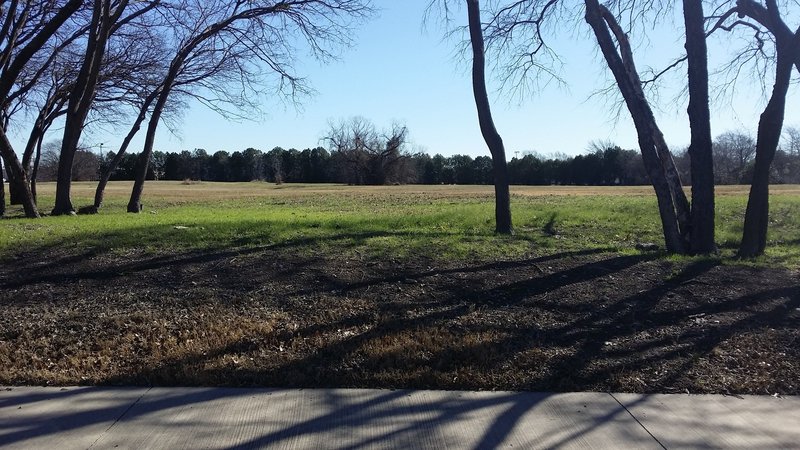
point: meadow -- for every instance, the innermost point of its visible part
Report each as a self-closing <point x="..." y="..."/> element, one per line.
<point x="443" y="222"/>
<point x="395" y="286"/>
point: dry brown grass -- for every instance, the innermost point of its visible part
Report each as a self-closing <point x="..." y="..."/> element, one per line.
<point x="210" y="191"/>
<point x="575" y="321"/>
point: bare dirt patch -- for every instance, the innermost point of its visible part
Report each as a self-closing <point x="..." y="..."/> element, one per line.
<point x="592" y="320"/>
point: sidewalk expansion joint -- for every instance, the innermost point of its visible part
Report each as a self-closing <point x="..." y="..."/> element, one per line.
<point x="637" y="421"/>
<point x="120" y="417"/>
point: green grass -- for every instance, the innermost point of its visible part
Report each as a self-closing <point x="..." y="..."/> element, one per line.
<point x="440" y="222"/>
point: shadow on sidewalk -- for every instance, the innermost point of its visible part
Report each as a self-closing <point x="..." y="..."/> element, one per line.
<point x="256" y="418"/>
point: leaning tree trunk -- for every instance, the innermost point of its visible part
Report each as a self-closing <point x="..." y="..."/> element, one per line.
<point x="35" y="171"/>
<point x="40" y="126"/>
<point x="679" y="200"/>
<point x="17" y="175"/>
<point x="142" y="163"/>
<point x="106" y="174"/>
<point x="488" y="130"/>
<point x="672" y="203"/>
<point x="2" y="191"/>
<point x="700" y="149"/>
<point x="756" y="221"/>
<point x="50" y="111"/>
<point x="673" y="237"/>
<point x="99" y="193"/>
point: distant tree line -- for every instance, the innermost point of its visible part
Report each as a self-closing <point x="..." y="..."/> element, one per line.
<point x="604" y="165"/>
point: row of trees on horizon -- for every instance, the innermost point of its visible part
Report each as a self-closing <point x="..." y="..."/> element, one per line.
<point x="604" y="165"/>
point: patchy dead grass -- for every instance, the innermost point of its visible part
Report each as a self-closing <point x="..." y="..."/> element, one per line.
<point x="310" y="286"/>
<point x="157" y="192"/>
<point x="567" y="322"/>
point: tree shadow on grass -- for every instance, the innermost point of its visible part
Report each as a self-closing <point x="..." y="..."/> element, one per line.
<point x="586" y="320"/>
<point x="509" y="335"/>
<point x="47" y="269"/>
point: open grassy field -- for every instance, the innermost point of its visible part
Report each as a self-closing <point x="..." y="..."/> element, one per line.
<point x="437" y="221"/>
<point x="401" y="286"/>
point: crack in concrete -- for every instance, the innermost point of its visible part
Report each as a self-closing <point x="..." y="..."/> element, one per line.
<point x="120" y="417"/>
<point x="637" y="421"/>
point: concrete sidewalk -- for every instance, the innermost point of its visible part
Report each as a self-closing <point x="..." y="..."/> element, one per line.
<point x="102" y="418"/>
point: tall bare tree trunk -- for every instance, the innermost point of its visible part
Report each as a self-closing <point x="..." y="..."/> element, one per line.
<point x="142" y="163"/>
<point x="82" y="96"/>
<point x="700" y="150"/>
<point x="672" y="203"/>
<point x="770" y="125"/>
<point x="488" y="130"/>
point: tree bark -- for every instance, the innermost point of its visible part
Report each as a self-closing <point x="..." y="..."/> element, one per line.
<point x="63" y="203"/>
<point x="700" y="149"/>
<point x="15" y="194"/>
<point x="488" y="130"/>
<point x="17" y="175"/>
<point x="672" y="203"/>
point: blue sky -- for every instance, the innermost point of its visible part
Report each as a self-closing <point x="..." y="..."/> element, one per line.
<point x="404" y="72"/>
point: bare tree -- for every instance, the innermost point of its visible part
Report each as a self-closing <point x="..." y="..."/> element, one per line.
<point x="48" y="166"/>
<point x="792" y="141"/>
<point x="518" y="72"/>
<point x="366" y="155"/>
<point x="140" y="58"/>
<point x="672" y="203"/>
<point x="27" y="27"/>
<point x="42" y="89"/>
<point x="770" y="125"/>
<point x="733" y="152"/>
<point x="107" y="17"/>
<point x="517" y="30"/>
<point x="52" y="106"/>
<point x="490" y="135"/>
<point x="242" y="32"/>
<point x="351" y="142"/>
